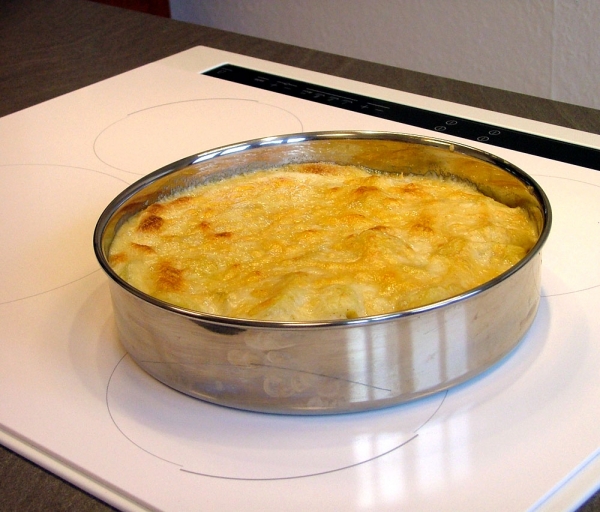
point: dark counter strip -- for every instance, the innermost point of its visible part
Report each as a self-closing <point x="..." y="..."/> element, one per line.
<point x="442" y="124"/>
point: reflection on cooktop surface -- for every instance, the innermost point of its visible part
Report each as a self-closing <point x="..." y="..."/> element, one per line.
<point x="218" y="441"/>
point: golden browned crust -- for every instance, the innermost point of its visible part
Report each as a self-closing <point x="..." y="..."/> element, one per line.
<point x="319" y="241"/>
<point x="168" y="278"/>
<point x="151" y="223"/>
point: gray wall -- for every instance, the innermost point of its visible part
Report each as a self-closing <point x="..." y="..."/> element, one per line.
<point x="546" y="48"/>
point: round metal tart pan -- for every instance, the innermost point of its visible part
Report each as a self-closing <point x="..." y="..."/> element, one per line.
<point x="341" y="365"/>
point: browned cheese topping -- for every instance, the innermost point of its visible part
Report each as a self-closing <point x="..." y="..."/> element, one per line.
<point x="319" y="242"/>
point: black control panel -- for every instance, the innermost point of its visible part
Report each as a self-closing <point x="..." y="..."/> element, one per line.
<point x="441" y="123"/>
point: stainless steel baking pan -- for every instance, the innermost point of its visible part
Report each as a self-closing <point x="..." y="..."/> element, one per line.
<point x="332" y="366"/>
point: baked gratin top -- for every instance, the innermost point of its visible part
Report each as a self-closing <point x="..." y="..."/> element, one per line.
<point x="319" y="241"/>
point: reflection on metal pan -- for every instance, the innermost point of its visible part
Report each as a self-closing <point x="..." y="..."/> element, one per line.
<point x="341" y="365"/>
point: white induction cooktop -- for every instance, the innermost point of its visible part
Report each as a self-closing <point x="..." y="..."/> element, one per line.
<point x="524" y="435"/>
